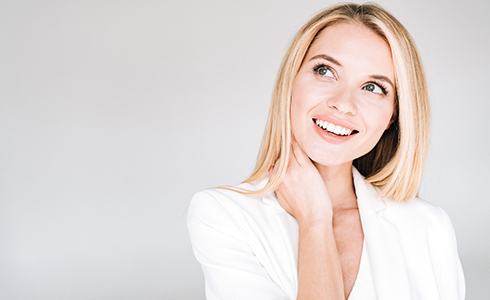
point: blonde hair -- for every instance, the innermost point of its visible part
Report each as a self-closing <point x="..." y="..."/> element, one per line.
<point x="394" y="166"/>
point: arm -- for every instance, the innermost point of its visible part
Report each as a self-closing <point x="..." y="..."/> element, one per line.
<point x="449" y="270"/>
<point x="231" y="270"/>
<point x="319" y="269"/>
<point x="303" y="194"/>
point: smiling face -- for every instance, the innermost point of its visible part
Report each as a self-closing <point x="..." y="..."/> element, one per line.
<point x="347" y="79"/>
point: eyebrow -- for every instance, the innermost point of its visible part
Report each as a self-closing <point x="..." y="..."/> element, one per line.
<point x="334" y="61"/>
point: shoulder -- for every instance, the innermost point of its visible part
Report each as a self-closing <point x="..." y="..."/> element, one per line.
<point x="419" y="211"/>
<point x="419" y="215"/>
<point x="442" y="245"/>
<point x="224" y="207"/>
<point x="424" y="223"/>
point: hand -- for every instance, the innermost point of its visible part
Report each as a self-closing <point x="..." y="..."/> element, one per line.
<point x="302" y="193"/>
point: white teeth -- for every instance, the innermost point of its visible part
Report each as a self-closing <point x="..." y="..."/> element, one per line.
<point x="333" y="128"/>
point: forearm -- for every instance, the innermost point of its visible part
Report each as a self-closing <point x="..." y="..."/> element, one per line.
<point x="319" y="269"/>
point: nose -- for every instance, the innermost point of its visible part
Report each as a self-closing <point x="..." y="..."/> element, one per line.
<point x="344" y="102"/>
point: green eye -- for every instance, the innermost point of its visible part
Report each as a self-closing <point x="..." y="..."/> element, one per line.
<point x="322" y="70"/>
<point x="371" y="87"/>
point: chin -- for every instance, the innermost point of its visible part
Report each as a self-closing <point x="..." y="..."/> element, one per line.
<point x="327" y="159"/>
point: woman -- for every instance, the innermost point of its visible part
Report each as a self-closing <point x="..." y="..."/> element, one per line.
<point x="332" y="210"/>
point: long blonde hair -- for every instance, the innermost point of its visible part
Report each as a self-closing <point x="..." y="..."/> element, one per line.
<point x="395" y="165"/>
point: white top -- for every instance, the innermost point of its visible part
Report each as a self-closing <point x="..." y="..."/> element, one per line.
<point x="248" y="247"/>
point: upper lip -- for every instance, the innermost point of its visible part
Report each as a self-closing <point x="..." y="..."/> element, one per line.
<point x="335" y="121"/>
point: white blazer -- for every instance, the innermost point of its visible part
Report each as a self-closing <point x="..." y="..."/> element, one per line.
<point x="248" y="246"/>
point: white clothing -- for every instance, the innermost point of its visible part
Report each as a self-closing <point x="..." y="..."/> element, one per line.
<point x="248" y="247"/>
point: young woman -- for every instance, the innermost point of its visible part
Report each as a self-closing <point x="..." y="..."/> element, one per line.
<point x="331" y="210"/>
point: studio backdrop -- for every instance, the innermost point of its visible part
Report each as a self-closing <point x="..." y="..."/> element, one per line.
<point x="113" y="113"/>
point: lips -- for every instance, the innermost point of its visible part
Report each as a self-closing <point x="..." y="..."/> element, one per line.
<point x="331" y="137"/>
<point x="352" y="131"/>
<point x="336" y="121"/>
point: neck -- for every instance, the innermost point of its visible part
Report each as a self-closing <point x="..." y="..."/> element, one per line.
<point x="340" y="185"/>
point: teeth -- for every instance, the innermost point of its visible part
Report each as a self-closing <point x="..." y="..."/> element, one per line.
<point x="333" y="128"/>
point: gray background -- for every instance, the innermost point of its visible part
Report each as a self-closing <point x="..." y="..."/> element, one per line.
<point x="113" y="113"/>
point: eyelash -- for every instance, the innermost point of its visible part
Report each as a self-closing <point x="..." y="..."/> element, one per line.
<point x="383" y="87"/>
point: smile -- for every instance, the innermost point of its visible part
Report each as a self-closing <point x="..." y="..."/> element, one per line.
<point x="330" y="136"/>
<point x="334" y="129"/>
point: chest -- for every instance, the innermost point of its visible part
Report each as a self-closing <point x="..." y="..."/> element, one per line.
<point x="349" y="238"/>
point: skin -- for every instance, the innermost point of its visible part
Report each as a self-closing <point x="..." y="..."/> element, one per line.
<point x="318" y="188"/>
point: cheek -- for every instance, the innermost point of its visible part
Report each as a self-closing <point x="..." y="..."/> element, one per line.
<point x="378" y="120"/>
<point x="299" y="106"/>
<point x="305" y="96"/>
<point x="388" y="115"/>
<point x="297" y="114"/>
<point x="377" y="111"/>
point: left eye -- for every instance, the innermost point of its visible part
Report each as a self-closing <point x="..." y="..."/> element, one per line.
<point x="372" y="86"/>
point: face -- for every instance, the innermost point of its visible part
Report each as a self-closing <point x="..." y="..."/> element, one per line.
<point x="346" y="82"/>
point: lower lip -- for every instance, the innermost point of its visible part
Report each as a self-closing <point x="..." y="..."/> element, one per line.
<point x="330" y="137"/>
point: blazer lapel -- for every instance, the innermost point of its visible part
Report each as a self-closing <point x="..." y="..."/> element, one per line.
<point x="388" y="267"/>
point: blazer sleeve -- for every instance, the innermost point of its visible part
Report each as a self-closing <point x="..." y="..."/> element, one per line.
<point x="449" y="270"/>
<point x="230" y="268"/>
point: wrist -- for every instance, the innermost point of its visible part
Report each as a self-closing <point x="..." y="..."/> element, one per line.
<point x="310" y="221"/>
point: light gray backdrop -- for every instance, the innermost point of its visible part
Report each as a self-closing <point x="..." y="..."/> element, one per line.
<point x="113" y="113"/>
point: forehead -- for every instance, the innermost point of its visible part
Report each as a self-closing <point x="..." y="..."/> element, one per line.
<point x="356" y="47"/>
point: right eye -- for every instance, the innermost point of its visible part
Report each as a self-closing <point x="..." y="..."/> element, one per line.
<point x="322" y="69"/>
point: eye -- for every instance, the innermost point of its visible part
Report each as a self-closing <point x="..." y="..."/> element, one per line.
<point x="322" y="69"/>
<point x="372" y="85"/>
